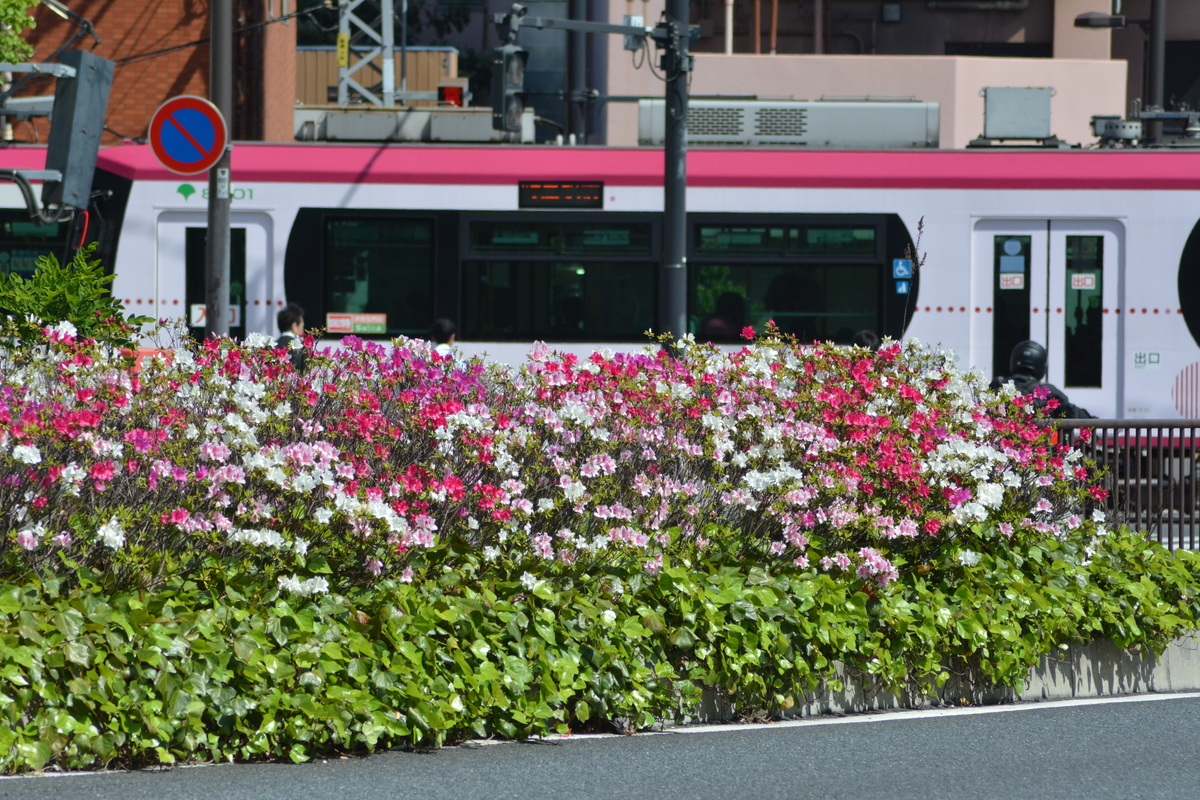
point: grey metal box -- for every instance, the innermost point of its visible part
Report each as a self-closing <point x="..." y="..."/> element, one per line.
<point x="1017" y="113"/>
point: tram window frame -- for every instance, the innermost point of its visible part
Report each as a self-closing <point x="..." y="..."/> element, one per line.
<point x="31" y="249"/>
<point x="195" y="240"/>
<point x="1083" y="318"/>
<point x="409" y="322"/>
<point x="707" y="318"/>
<point x="1010" y="316"/>
<point x="541" y="314"/>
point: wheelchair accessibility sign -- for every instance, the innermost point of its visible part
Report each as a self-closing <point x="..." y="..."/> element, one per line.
<point x="902" y="268"/>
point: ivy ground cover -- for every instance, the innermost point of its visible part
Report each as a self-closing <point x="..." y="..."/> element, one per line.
<point x="214" y="557"/>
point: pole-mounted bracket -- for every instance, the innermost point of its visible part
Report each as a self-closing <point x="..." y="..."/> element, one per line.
<point x="509" y="26"/>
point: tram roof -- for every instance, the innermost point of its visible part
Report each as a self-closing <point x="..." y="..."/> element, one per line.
<point x="499" y="165"/>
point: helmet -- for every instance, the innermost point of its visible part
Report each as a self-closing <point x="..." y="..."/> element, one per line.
<point x="1028" y="358"/>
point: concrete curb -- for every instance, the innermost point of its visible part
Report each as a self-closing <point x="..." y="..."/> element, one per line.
<point x="1096" y="669"/>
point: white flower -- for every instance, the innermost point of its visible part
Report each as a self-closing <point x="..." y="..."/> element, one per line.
<point x="27" y="454"/>
<point x="65" y="328"/>
<point x="258" y="536"/>
<point x="968" y="558"/>
<point x="305" y="588"/>
<point x="608" y="616"/>
<point x="257" y="339"/>
<point x="112" y="534"/>
<point x="530" y="582"/>
<point x="990" y="495"/>
<point x="323" y="515"/>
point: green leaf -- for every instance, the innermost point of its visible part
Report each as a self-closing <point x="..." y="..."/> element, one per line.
<point x="78" y="653"/>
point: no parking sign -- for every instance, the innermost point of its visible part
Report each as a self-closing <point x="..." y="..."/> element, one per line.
<point x="188" y="134"/>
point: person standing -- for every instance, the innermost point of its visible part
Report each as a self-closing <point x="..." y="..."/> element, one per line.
<point x="291" y="326"/>
<point x="1027" y="363"/>
<point x="443" y="333"/>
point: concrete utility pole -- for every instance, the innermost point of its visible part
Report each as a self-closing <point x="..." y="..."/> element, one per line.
<point x="672" y="281"/>
<point x="216" y="267"/>
<point x="1156" y="61"/>
<point x="577" y="73"/>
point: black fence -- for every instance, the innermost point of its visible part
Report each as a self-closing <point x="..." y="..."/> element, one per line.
<point x="1150" y="471"/>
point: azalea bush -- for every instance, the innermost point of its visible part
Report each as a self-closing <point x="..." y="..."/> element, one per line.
<point x="380" y="460"/>
<point x="214" y="554"/>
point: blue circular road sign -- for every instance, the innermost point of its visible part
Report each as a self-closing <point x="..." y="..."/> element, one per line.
<point x="188" y="134"/>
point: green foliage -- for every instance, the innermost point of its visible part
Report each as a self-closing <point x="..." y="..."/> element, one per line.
<point x="14" y="19"/>
<point x="230" y="668"/>
<point x="77" y="293"/>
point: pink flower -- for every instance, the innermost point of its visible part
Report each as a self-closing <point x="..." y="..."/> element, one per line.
<point x="748" y="332"/>
<point x="142" y="440"/>
<point x="102" y="472"/>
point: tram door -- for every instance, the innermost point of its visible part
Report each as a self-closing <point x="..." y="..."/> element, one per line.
<point x="1056" y="282"/>
<point x="182" y="265"/>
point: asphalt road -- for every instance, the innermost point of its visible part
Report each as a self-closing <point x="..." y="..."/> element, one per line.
<point x="1142" y="747"/>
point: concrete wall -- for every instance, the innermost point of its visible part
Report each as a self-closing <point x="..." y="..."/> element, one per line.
<point x="1096" y="669"/>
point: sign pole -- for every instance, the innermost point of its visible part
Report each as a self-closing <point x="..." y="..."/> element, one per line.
<point x="216" y="267"/>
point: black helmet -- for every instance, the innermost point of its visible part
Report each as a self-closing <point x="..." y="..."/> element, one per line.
<point x="1028" y="358"/>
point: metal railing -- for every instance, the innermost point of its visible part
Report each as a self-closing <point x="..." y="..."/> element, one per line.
<point x="1151" y="474"/>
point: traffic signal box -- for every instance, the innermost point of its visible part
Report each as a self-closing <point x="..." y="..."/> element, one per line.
<point x="508" y="88"/>
<point x="76" y="124"/>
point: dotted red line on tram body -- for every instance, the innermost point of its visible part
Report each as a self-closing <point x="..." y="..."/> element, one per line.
<point x="150" y="301"/>
<point x="988" y="310"/>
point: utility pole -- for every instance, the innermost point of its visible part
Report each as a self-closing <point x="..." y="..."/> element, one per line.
<point x="1156" y="59"/>
<point x="216" y="267"/>
<point x="577" y="73"/>
<point x="672" y="277"/>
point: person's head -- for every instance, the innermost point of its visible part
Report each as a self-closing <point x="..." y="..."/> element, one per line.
<point x="442" y="331"/>
<point x="866" y="338"/>
<point x="1028" y="358"/>
<point x="291" y="319"/>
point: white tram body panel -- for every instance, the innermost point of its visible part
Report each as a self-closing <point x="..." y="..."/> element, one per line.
<point x="1096" y="254"/>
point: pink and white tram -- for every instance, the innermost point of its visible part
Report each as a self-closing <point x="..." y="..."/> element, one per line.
<point x="1095" y="253"/>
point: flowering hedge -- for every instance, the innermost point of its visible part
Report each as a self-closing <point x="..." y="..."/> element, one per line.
<point x="377" y="457"/>
<point x="210" y="555"/>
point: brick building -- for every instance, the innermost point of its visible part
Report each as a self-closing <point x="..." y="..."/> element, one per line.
<point x="162" y="50"/>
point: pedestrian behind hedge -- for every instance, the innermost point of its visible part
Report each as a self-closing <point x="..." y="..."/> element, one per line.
<point x="291" y="326"/>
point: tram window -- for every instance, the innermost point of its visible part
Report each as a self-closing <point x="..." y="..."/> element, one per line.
<point x="822" y="302"/>
<point x="533" y="238"/>
<point x="758" y="239"/>
<point x="844" y="241"/>
<point x="23" y="242"/>
<point x="1010" y="322"/>
<point x="1083" y="317"/>
<point x="558" y="300"/>
<point x="381" y="265"/>
<point x="196" y="268"/>
<point x="823" y="241"/>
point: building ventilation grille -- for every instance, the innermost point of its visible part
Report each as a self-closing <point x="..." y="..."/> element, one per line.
<point x="780" y="122"/>
<point x="715" y="121"/>
<point x="825" y="124"/>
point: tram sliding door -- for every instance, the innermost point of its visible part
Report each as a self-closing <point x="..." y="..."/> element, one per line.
<point x="1056" y="282"/>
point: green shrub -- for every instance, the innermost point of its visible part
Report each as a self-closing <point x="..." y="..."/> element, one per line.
<point x="233" y="668"/>
<point x="77" y="295"/>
